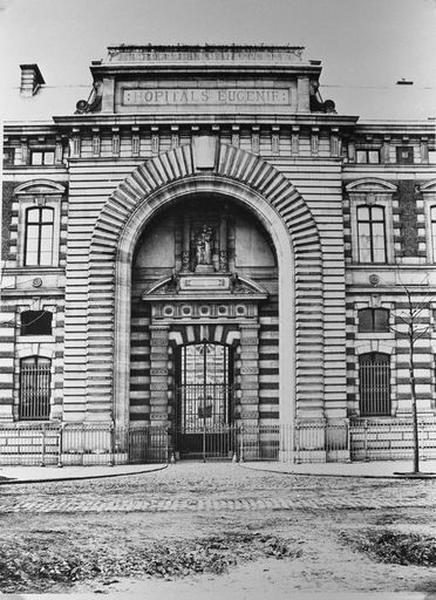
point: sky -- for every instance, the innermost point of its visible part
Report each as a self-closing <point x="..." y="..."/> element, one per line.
<point x="365" y="45"/>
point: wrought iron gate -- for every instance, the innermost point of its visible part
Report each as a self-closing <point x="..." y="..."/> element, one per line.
<point x="204" y="401"/>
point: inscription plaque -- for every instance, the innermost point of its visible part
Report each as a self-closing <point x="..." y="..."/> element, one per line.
<point x="214" y="96"/>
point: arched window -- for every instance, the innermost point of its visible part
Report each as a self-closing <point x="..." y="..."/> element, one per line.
<point x="35" y="386"/>
<point x="38" y="241"/>
<point x="373" y="320"/>
<point x="371" y="234"/>
<point x="374" y="384"/>
<point x="36" y="322"/>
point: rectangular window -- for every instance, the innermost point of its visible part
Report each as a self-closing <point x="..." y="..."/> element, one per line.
<point x="42" y="157"/>
<point x="8" y="157"/>
<point x="404" y="155"/>
<point x="36" y="158"/>
<point x="35" y="386"/>
<point x="371" y="234"/>
<point x="36" y="322"/>
<point x="373" y="156"/>
<point x="39" y="236"/>
<point x="372" y="320"/>
<point x="368" y="156"/>
<point x="374" y="384"/>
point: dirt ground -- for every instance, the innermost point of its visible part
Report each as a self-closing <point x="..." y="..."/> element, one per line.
<point x="324" y="560"/>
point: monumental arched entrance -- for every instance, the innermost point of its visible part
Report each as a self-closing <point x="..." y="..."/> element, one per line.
<point x="215" y="195"/>
<point x="204" y="325"/>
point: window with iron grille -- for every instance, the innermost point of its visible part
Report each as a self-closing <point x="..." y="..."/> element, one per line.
<point x="38" y="243"/>
<point x="35" y="385"/>
<point x="374" y="384"/>
<point x="371" y="234"/>
<point x="373" y="320"/>
<point x="36" y="322"/>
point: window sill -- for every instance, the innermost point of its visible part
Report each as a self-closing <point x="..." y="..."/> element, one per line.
<point x="382" y="335"/>
<point x="33" y="339"/>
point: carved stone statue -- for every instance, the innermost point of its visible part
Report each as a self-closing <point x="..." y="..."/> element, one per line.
<point x="203" y="246"/>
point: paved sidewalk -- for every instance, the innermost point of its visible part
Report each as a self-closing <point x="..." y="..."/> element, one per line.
<point x="21" y="474"/>
<point x="187" y="591"/>
<point x="392" y="469"/>
<point x="375" y="469"/>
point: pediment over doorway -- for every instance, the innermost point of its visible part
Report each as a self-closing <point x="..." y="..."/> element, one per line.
<point x="216" y="286"/>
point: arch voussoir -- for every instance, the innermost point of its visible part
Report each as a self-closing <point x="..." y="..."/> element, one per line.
<point x="152" y="183"/>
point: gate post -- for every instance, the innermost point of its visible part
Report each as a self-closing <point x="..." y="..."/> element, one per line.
<point x="159" y="340"/>
<point x="250" y="388"/>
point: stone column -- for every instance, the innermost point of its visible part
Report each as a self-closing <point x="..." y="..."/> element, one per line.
<point x="250" y="389"/>
<point x="159" y="374"/>
<point x="159" y="340"/>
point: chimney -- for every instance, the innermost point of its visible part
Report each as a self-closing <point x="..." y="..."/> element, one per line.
<point x="31" y="80"/>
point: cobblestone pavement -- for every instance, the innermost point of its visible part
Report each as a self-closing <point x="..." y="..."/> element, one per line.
<point x="197" y="487"/>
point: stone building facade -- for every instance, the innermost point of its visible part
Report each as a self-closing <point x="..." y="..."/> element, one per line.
<point x="205" y="246"/>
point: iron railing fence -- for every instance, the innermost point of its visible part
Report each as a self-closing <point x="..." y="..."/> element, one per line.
<point x="147" y="444"/>
<point x="359" y="439"/>
<point x="208" y="442"/>
<point x="31" y="444"/>
<point x="391" y="438"/>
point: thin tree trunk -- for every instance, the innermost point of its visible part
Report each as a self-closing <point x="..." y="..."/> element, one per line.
<point x="413" y="389"/>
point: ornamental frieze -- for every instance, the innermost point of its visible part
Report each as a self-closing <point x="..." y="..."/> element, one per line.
<point x="214" y="310"/>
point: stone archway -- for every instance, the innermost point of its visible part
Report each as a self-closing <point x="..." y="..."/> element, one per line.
<point x="269" y="195"/>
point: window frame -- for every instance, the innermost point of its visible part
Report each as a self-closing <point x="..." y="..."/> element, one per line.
<point x="41" y="225"/>
<point x="387" y="390"/>
<point x="34" y="415"/>
<point x="8" y="157"/>
<point x="411" y="152"/>
<point x="34" y="194"/>
<point x="42" y="313"/>
<point x="371" y="222"/>
<point x="367" y="153"/>
<point x="372" y="311"/>
<point x="371" y="191"/>
<point x="44" y="152"/>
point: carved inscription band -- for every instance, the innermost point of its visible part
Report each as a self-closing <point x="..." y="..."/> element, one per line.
<point x="170" y="96"/>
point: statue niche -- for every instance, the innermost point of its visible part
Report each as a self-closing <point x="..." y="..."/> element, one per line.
<point x="203" y="246"/>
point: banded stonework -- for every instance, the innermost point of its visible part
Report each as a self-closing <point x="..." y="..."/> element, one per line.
<point x="218" y="249"/>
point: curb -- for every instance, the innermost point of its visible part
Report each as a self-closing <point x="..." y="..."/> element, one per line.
<point x="425" y="476"/>
<point x="173" y="594"/>
<point x="7" y="481"/>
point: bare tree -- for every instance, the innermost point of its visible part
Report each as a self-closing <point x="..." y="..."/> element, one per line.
<point x="411" y="318"/>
